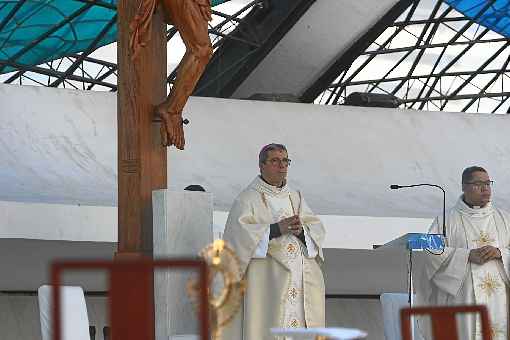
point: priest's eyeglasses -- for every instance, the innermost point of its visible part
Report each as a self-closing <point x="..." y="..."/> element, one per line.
<point x="278" y="161"/>
<point x="479" y="184"/>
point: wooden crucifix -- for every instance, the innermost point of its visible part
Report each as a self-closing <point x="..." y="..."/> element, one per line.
<point x="149" y="121"/>
<point x="142" y="107"/>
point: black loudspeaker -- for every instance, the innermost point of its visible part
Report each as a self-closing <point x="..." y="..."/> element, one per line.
<point x="372" y="100"/>
<point x="275" y="97"/>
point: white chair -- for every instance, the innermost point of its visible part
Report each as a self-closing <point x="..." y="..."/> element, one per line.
<point x="74" y="319"/>
<point x="312" y="333"/>
<point x="391" y="304"/>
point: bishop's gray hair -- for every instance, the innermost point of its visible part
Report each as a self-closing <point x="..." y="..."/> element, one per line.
<point x="269" y="147"/>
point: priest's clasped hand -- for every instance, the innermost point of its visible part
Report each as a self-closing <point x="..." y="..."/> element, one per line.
<point x="484" y="254"/>
<point x="291" y="225"/>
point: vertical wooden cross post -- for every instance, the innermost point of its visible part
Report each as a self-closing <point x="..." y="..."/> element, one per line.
<point x="141" y="162"/>
<point x="141" y="158"/>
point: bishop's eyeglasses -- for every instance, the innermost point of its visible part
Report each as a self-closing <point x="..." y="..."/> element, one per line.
<point x="480" y="184"/>
<point x="278" y="161"/>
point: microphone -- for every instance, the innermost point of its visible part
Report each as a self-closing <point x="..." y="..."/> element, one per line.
<point x="396" y="186"/>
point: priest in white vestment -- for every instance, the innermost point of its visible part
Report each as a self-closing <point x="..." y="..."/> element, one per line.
<point x="279" y="243"/>
<point x="474" y="267"/>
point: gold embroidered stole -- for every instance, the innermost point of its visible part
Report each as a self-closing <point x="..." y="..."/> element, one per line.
<point x="488" y="284"/>
<point x="289" y="251"/>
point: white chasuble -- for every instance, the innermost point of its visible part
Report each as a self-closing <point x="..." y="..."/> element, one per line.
<point x="450" y="279"/>
<point x="285" y="284"/>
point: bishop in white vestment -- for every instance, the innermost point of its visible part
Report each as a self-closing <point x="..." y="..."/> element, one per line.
<point x="279" y="243"/>
<point x="474" y="267"/>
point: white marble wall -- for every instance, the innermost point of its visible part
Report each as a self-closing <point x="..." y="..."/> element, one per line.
<point x="183" y="225"/>
<point x="19" y="316"/>
<point x="58" y="146"/>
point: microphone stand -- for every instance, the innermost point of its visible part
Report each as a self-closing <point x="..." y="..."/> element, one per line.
<point x="396" y="187"/>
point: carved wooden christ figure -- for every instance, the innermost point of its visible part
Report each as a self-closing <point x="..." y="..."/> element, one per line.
<point x="190" y="18"/>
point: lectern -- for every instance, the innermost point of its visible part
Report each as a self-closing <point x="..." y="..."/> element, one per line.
<point x="391" y="302"/>
<point x="412" y="242"/>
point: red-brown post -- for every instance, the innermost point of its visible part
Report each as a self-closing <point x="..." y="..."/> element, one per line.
<point x="130" y="299"/>
<point x="141" y="158"/>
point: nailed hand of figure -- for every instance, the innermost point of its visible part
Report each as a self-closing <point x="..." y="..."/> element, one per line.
<point x="172" y="132"/>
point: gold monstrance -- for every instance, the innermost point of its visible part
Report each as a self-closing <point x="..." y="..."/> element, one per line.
<point x="225" y="288"/>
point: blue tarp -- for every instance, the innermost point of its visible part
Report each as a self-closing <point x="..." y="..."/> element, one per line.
<point x="493" y="14"/>
<point x="36" y="31"/>
<point x="70" y="27"/>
